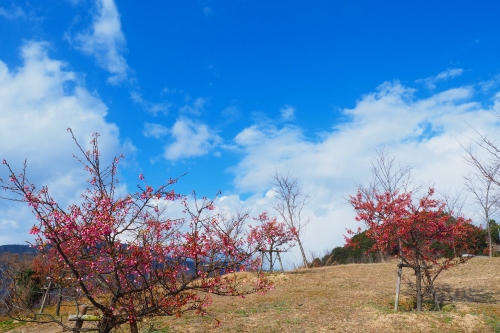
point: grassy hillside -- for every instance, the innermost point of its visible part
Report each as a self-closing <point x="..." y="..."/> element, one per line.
<point x="349" y="298"/>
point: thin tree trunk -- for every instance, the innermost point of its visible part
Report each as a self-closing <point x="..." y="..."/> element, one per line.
<point x="398" y="285"/>
<point x="59" y="300"/>
<point x="418" y="275"/>
<point x="431" y="288"/>
<point x="271" y="260"/>
<point x="488" y="227"/>
<point x="304" y="258"/>
<point x="281" y="264"/>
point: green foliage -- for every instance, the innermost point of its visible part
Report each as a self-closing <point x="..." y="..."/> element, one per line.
<point x="30" y="286"/>
<point x="495" y="229"/>
<point x="356" y="252"/>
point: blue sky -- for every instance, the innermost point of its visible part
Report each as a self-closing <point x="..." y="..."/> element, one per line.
<point x="229" y="91"/>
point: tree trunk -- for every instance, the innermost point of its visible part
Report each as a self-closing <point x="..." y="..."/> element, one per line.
<point x="133" y="326"/>
<point x="271" y="260"/>
<point x="105" y="325"/>
<point x="59" y="300"/>
<point x="418" y="275"/>
<point x="304" y="258"/>
<point x="281" y="264"/>
<point x="490" y="245"/>
<point x="398" y="285"/>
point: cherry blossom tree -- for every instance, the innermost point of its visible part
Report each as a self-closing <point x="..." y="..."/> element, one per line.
<point x="123" y="256"/>
<point x="274" y="236"/>
<point x="419" y="232"/>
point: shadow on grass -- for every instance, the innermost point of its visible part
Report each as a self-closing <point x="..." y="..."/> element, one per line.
<point x="448" y="293"/>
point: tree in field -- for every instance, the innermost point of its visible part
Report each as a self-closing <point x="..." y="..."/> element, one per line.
<point x="274" y="236"/>
<point x="418" y="232"/>
<point x="124" y="257"/>
<point x="486" y="195"/>
<point x="387" y="177"/>
<point x="289" y="203"/>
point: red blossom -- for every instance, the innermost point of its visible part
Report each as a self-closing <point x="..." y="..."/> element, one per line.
<point x="121" y="253"/>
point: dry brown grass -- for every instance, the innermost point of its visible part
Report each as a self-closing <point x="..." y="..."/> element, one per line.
<point x="349" y="298"/>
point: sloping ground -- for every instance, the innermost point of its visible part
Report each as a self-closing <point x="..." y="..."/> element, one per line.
<point x="348" y="298"/>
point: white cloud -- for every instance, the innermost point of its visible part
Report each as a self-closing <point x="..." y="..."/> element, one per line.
<point x="190" y="139"/>
<point x="195" y="107"/>
<point x="287" y="112"/>
<point x="424" y="133"/>
<point x="156" y="131"/>
<point x="231" y="113"/>
<point x="8" y="224"/>
<point x="154" y="108"/>
<point x="40" y="100"/>
<point x="430" y="82"/>
<point x="12" y="13"/>
<point x="105" y="41"/>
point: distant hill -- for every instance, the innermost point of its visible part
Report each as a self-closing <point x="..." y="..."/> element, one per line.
<point x="16" y="248"/>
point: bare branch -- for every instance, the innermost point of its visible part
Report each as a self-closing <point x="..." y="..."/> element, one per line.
<point x="289" y="203"/>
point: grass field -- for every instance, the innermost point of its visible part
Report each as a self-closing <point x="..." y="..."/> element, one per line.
<point x="347" y="298"/>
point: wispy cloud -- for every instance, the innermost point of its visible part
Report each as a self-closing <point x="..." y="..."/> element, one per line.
<point x="190" y="139"/>
<point x="231" y="113"/>
<point x="156" y="131"/>
<point x="105" y="41"/>
<point x="14" y="12"/>
<point x="194" y="107"/>
<point x="430" y="82"/>
<point x="151" y="107"/>
<point x="287" y="112"/>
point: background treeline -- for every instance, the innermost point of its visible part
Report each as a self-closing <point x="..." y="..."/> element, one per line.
<point x="358" y="251"/>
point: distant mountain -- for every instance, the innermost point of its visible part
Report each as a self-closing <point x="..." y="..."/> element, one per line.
<point x="18" y="249"/>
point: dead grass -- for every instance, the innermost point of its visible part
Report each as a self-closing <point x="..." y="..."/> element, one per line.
<point x="348" y="298"/>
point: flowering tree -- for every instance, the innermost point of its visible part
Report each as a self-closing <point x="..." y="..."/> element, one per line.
<point x="121" y="255"/>
<point x="419" y="232"/>
<point x="274" y="236"/>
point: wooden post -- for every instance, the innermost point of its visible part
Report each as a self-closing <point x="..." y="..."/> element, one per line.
<point x="398" y="285"/>
<point x="79" y="323"/>
<point x="281" y="264"/>
<point x="45" y="297"/>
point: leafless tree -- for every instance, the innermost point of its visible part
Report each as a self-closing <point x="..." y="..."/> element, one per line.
<point x="289" y="203"/>
<point x="484" y="184"/>
<point x="487" y="165"/>
<point x="486" y="195"/>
